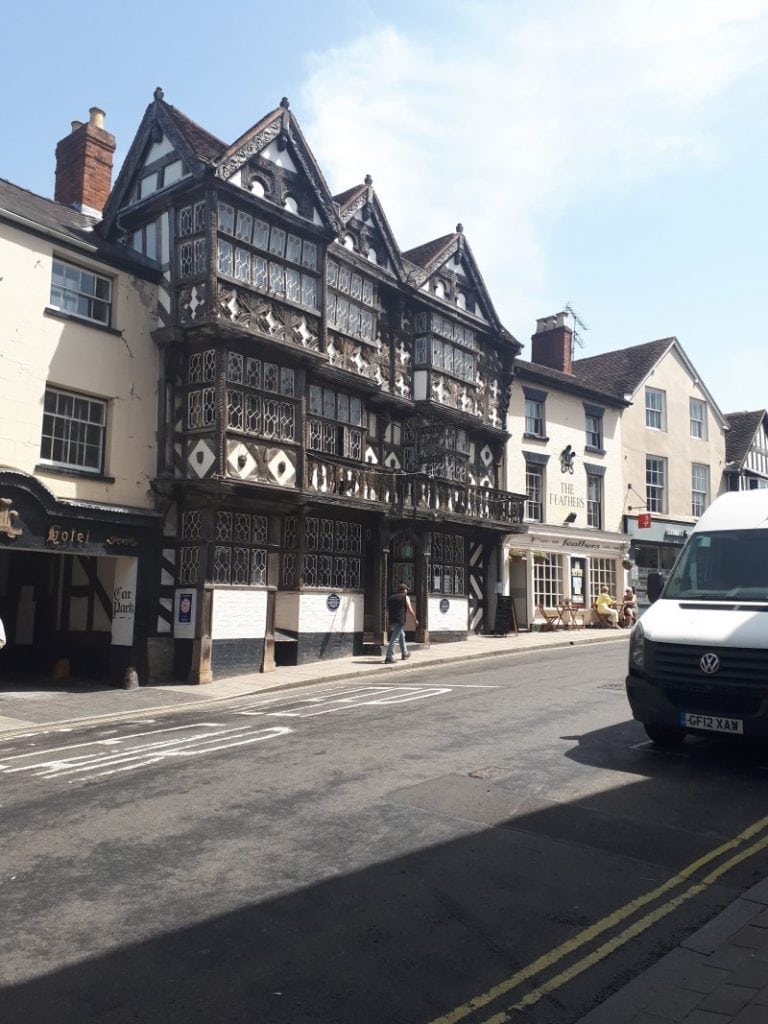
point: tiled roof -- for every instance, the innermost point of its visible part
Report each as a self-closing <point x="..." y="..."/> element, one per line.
<point x="45" y="212"/>
<point x="343" y="198"/>
<point x="621" y="372"/>
<point x="205" y="146"/>
<point x="429" y="253"/>
<point x="739" y="438"/>
<point x="46" y="215"/>
<point x="566" y="382"/>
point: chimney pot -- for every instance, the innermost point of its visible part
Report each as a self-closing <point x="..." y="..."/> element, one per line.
<point x="84" y="165"/>
<point x="552" y="344"/>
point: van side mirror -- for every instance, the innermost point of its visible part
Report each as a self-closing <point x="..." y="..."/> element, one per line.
<point x="654" y="585"/>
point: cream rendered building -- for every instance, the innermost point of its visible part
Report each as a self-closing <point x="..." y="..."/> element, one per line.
<point x="566" y="456"/>
<point x="673" y="439"/>
<point x="79" y="534"/>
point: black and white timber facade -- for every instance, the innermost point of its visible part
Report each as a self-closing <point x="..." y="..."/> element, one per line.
<point x="333" y="410"/>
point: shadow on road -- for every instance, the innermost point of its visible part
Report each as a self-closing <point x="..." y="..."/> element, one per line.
<point x="405" y="940"/>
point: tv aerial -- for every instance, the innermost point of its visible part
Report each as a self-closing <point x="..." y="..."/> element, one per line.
<point x="578" y="325"/>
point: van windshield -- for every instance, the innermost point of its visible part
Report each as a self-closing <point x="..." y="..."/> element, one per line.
<point x="726" y="565"/>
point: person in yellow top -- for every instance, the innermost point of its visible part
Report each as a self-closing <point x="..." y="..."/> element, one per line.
<point x="606" y="605"/>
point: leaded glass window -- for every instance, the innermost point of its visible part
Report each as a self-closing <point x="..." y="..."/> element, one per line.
<point x="240" y="553"/>
<point x="332" y="554"/>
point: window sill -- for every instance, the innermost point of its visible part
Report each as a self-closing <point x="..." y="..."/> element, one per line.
<point x="58" y="314"/>
<point x="80" y="474"/>
<point x="535" y="437"/>
<point x="594" y="451"/>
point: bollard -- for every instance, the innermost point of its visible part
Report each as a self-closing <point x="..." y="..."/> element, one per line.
<point x="131" y="679"/>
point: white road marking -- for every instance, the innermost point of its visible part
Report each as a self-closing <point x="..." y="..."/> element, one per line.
<point x="329" y="701"/>
<point x="117" y="754"/>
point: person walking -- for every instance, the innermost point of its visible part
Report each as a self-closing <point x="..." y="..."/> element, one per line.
<point x="398" y="606"/>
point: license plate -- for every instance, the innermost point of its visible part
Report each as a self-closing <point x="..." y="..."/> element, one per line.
<point x="712" y="723"/>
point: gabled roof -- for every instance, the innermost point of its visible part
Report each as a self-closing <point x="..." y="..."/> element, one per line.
<point x="363" y="197"/>
<point x="425" y="260"/>
<point x="280" y="124"/>
<point x="206" y="147"/>
<point x="622" y="372"/>
<point x="30" y="212"/>
<point x="738" y="440"/>
<point x="198" y="149"/>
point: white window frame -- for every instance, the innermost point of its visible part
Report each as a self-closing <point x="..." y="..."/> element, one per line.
<point x="534" y="418"/>
<point x="655" y="409"/>
<point x="534" y="470"/>
<point x="77" y="294"/>
<point x="594" y="501"/>
<point x="655" y="492"/>
<point x="698" y="424"/>
<point x="699" y="488"/>
<point x="73" y="431"/>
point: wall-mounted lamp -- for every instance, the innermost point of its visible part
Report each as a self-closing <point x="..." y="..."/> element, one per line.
<point x="570" y="518"/>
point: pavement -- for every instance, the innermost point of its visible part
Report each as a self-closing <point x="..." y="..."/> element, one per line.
<point x="718" y="975"/>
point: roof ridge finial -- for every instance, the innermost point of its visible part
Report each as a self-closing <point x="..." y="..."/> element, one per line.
<point x="368" y="180"/>
<point x="284" y="103"/>
<point x="159" y="94"/>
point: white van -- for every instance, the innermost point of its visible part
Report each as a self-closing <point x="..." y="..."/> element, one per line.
<point x="698" y="658"/>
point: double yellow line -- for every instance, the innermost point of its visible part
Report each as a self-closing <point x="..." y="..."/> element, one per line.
<point x="548" y="960"/>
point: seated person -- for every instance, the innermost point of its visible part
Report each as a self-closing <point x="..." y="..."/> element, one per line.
<point x="629" y="608"/>
<point x="606" y="606"/>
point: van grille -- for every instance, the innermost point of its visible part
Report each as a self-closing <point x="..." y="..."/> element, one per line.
<point x="739" y="686"/>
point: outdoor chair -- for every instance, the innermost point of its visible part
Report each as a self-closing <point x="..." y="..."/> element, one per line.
<point x="551" y="617"/>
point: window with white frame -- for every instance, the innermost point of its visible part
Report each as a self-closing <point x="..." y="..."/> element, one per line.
<point x="655" y="408"/>
<point x="74" y="428"/>
<point x="655" y="483"/>
<point x="593" y="427"/>
<point x="698" y="410"/>
<point x="534" y="492"/>
<point x="81" y="293"/>
<point x="594" y="500"/>
<point x="602" y="573"/>
<point x="548" y="581"/>
<point x="534" y="417"/>
<point x="699" y="488"/>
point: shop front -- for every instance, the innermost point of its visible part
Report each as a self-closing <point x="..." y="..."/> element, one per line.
<point x="549" y="565"/>
<point x="74" y="583"/>
<point x="654" y="547"/>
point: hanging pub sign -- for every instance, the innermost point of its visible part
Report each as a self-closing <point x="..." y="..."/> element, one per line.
<point x="644" y="521"/>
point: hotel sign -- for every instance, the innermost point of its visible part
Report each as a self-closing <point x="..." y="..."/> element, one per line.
<point x="7" y="516"/>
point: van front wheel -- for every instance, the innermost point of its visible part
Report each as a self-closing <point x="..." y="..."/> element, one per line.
<point x="664" y="735"/>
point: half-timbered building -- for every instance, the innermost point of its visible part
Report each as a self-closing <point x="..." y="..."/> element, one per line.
<point x="333" y="410"/>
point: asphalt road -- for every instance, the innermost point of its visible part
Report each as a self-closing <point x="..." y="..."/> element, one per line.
<point x="492" y="842"/>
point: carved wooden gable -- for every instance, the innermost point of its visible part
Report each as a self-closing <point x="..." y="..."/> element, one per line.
<point x="273" y="161"/>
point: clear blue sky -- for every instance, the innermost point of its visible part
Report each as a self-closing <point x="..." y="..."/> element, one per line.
<point x="610" y="153"/>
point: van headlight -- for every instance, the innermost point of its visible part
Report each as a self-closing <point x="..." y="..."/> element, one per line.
<point x="637" y="648"/>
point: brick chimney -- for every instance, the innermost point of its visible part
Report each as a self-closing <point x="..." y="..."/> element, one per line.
<point x="552" y="344"/>
<point x="84" y="165"/>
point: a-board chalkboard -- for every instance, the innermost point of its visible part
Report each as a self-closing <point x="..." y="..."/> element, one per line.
<point x="506" y="618"/>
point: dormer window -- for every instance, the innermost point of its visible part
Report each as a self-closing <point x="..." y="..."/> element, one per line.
<point x="291" y="205"/>
<point x="257" y="188"/>
<point x="372" y="256"/>
<point x="461" y="300"/>
<point x="440" y="289"/>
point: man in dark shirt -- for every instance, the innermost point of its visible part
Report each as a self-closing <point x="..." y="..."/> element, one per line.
<point x="398" y="606"/>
